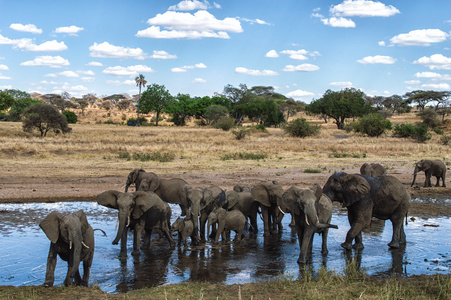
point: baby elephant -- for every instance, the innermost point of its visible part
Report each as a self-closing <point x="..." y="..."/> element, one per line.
<point x="227" y="220"/>
<point x="72" y="238"/>
<point x="185" y="228"/>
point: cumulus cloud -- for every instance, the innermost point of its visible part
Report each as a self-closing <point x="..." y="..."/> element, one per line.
<point x="46" y="60"/>
<point x="28" y="45"/>
<point x="4" y="67"/>
<point x="71" y="30"/>
<point x="422" y="37"/>
<point x="363" y="8"/>
<point x="199" y="80"/>
<point x="412" y="82"/>
<point x="378" y="59"/>
<point x="186" y="68"/>
<point x="190" y="5"/>
<point x="95" y="64"/>
<point x="427" y="75"/>
<point x="242" y="70"/>
<point x="118" y="82"/>
<point x="272" y="54"/>
<point x="296" y="54"/>
<point x="301" y="68"/>
<point x="106" y="50"/>
<point x="341" y="83"/>
<point x="201" y="24"/>
<point x="436" y="86"/>
<point x="299" y="94"/>
<point x="162" y="55"/>
<point x="127" y="71"/>
<point x="338" y="22"/>
<point x="5" y="77"/>
<point x="26" y="28"/>
<point x="435" y="62"/>
<point x="255" y="21"/>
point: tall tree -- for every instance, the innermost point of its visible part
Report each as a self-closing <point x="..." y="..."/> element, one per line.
<point x="156" y="98"/>
<point x="140" y="82"/>
<point x="422" y="98"/>
<point x="44" y="117"/>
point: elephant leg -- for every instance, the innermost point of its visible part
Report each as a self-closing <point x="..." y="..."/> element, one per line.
<point x="86" y="269"/>
<point x="123" y="252"/>
<point x="77" y="278"/>
<point x="265" y="214"/>
<point x="324" y="250"/>
<point x="146" y="239"/>
<point x="51" y="264"/>
<point x="438" y="181"/>
<point x="443" y="181"/>
<point x="253" y="222"/>
<point x="137" y="234"/>
<point x="357" y="221"/>
<point x="305" y="245"/>
<point x="358" y="245"/>
<point x="402" y="237"/>
<point x="220" y="231"/>
<point x="165" y="229"/>
<point x="397" y="228"/>
<point x="292" y="223"/>
<point x="203" y="220"/>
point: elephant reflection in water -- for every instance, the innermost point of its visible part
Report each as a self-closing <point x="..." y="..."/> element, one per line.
<point x="148" y="272"/>
<point x="397" y="266"/>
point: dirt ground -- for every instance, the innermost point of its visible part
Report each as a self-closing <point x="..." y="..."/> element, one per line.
<point x="15" y="189"/>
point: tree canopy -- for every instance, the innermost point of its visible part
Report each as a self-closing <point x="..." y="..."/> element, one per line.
<point x="156" y="98"/>
<point x="44" y="117"/>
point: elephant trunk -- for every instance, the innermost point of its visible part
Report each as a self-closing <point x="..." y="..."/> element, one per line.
<point x="75" y="240"/>
<point x="208" y="228"/>
<point x="126" y="187"/>
<point x="414" y="176"/>
<point x="311" y="217"/>
<point x="124" y="221"/>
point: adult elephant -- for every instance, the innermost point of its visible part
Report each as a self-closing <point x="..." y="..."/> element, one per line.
<point x="269" y="196"/>
<point x="203" y="200"/>
<point x="431" y="168"/>
<point x="365" y="197"/>
<point x="373" y="170"/>
<point x="138" y="211"/>
<point x="244" y="202"/>
<point x="72" y="238"/>
<point x="312" y="211"/>
<point x="169" y="190"/>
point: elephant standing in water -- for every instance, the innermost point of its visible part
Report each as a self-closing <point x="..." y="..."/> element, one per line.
<point x="138" y="211"/>
<point x="431" y="168"/>
<point x="169" y="190"/>
<point x="312" y="212"/>
<point x="72" y="238"/>
<point x="244" y="202"/>
<point x="373" y="170"/>
<point x="227" y="220"/>
<point x="365" y="197"/>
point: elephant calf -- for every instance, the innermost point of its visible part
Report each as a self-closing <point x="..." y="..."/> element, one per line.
<point x="72" y="238"/>
<point x="184" y="228"/>
<point x="227" y="220"/>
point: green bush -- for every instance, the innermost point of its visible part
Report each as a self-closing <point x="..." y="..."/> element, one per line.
<point x="429" y="117"/>
<point x="372" y="125"/>
<point x="243" y="155"/>
<point x="301" y="128"/>
<point x="416" y="132"/>
<point x="404" y="130"/>
<point x="71" y="117"/>
<point x="312" y="171"/>
<point x="156" y="156"/>
<point x="225" y="123"/>
<point x="241" y="133"/>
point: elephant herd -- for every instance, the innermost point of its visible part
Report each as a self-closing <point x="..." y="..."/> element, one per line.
<point x="372" y="193"/>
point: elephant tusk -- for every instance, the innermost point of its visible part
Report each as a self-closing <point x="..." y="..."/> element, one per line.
<point x="306" y="219"/>
<point x="128" y="221"/>
<point x="85" y="245"/>
<point x="281" y="210"/>
<point x="70" y="244"/>
<point x="117" y="222"/>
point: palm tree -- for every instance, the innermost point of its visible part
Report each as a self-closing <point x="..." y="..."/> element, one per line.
<point x="140" y="82"/>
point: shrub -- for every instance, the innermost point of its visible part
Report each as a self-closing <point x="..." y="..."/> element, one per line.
<point x="44" y="117"/>
<point x="133" y="122"/>
<point x="312" y="171"/>
<point x="372" y="125"/>
<point x="429" y="117"/>
<point x="301" y="128"/>
<point x="215" y="112"/>
<point x="241" y="155"/>
<point x="404" y="130"/>
<point x="71" y="117"/>
<point x="416" y="132"/>
<point x="445" y="139"/>
<point x="241" y="133"/>
<point x="225" y="123"/>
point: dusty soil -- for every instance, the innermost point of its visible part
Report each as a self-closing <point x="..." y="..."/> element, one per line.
<point x="86" y="188"/>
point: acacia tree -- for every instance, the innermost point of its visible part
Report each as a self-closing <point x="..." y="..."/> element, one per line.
<point x="348" y="103"/>
<point x="156" y="98"/>
<point x="140" y="82"/>
<point x="44" y="117"/>
<point x="422" y="98"/>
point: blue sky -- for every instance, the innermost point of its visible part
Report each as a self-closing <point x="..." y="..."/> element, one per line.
<point x="300" y="47"/>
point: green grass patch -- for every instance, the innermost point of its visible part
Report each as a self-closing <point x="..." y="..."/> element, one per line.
<point x="155" y="156"/>
<point x="312" y="171"/>
<point x="244" y="156"/>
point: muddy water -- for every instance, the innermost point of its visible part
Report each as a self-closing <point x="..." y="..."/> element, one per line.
<point x="24" y="249"/>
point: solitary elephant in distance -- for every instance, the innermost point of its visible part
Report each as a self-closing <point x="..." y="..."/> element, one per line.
<point x="431" y="168"/>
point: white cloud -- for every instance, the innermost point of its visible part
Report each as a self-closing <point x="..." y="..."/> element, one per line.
<point x="363" y="8"/>
<point x="49" y="46"/>
<point x="301" y="68"/>
<point x="89" y="73"/>
<point x="378" y="59"/>
<point x="74" y="90"/>
<point x="26" y="28"/>
<point x="338" y="22"/>
<point x="272" y="54"/>
<point x="241" y="70"/>
<point x="71" y="74"/>
<point x="427" y="75"/>
<point x="192" y="26"/>
<point x="95" y="64"/>
<point x="190" y="5"/>
<point x="435" y="62"/>
<point x="436" y="86"/>
<point x="4" y="67"/>
<point x="422" y="37"/>
<point x="299" y="94"/>
<point x="127" y="71"/>
<point x="5" y="77"/>
<point x="296" y="54"/>
<point x="106" y="50"/>
<point x="381" y="43"/>
<point x="46" y="60"/>
<point x="199" y="80"/>
<point x="186" y="68"/>
<point x="71" y="30"/>
<point x="6" y="87"/>
<point x="341" y="83"/>
<point x="412" y="82"/>
<point x="256" y="21"/>
<point x="118" y="82"/>
<point x="88" y="79"/>
<point x="162" y="55"/>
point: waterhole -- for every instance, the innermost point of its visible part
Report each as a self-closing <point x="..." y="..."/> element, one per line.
<point x="24" y="250"/>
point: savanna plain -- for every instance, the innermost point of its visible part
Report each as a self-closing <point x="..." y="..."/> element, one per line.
<point x="97" y="157"/>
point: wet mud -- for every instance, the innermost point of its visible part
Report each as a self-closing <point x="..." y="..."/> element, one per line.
<point x="24" y="250"/>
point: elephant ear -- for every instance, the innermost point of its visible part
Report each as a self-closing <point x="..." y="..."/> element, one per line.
<point x="50" y="226"/>
<point x="83" y="220"/>
<point x="143" y="202"/>
<point x="355" y="188"/>
<point x="232" y="199"/>
<point x="153" y="182"/>
<point x="260" y="194"/>
<point x="108" y="199"/>
<point x="317" y="190"/>
<point x="363" y="169"/>
<point x="289" y="198"/>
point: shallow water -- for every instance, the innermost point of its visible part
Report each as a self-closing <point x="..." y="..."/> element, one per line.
<point x="24" y="250"/>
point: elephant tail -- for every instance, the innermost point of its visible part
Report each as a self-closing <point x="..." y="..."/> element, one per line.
<point x="104" y="233"/>
<point x="406" y="218"/>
